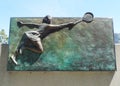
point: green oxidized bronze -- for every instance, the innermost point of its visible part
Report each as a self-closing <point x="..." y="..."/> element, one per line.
<point x="70" y="44"/>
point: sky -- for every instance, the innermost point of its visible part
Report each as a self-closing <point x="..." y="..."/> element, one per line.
<point x="58" y="8"/>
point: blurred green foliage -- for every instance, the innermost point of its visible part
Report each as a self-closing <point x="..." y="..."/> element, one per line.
<point x="3" y="36"/>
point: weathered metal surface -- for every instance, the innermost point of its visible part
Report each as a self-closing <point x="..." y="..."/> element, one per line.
<point x="86" y="47"/>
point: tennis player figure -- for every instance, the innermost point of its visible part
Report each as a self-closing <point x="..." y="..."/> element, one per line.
<point x="32" y="39"/>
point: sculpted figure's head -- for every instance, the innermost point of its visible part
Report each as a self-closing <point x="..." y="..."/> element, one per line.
<point x="47" y="19"/>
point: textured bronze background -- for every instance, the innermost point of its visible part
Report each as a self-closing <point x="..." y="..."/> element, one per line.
<point x="87" y="47"/>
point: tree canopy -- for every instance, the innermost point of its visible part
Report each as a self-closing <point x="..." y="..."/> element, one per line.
<point x="2" y="32"/>
<point x="3" y="35"/>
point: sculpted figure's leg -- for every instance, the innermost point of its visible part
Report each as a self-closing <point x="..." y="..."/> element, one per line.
<point x="13" y="57"/>
<point x="38" y="48"/>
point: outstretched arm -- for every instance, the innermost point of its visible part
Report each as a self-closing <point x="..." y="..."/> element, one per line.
<point x="49" y="26"/>
<point x="30" y="25"/>
<point x="61" y="26"/>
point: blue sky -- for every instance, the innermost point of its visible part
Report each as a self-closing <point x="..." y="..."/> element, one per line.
<point x="58" y="8"/>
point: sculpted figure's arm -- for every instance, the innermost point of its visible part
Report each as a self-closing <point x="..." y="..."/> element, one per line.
<point x="30" y="25"/>
<point x="61" y="26"/>
<point x="48" y="26"/>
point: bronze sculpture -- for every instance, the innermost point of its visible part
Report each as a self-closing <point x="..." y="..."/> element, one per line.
<point x="32" y="39"/>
